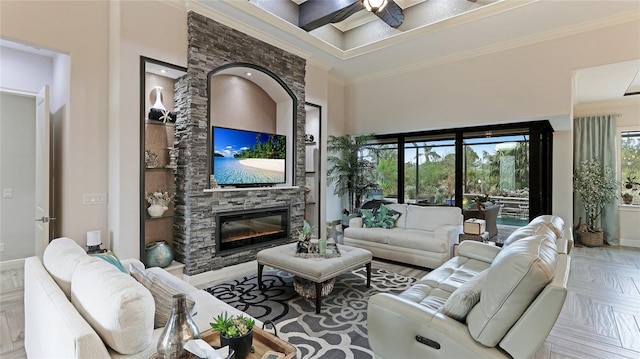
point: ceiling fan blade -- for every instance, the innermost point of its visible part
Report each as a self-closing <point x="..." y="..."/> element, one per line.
<point x="391" y="14"/>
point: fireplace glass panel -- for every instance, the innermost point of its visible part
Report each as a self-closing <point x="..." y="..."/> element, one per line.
<point x="244" y="229"/>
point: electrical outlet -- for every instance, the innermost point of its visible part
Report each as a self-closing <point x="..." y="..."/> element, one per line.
<point x="1" y="247"/>
<point x="7" y="193"/>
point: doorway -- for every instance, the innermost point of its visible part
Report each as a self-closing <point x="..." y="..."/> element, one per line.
<point x="17" y="175"/>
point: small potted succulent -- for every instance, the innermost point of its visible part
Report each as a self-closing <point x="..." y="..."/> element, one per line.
<point x="159" y="202"/>
<point x="631" y="185"/>
<point x="304" y="238"/>
<point x="236" y="332"/>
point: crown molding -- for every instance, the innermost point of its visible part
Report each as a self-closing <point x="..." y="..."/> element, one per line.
<point x="505" y="45"/>
<point x="318" y="64"/>
<point x="604" y="105"/>
<point x="337" y="80"/>
<point x="200" y="8"/>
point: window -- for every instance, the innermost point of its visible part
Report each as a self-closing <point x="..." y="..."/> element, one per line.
<point x="511" y="163"/>
<point x="630" y="166"/>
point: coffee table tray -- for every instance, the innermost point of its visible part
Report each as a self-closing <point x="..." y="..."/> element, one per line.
<point x="332" y="252"/>
<point x="263" y="342"/>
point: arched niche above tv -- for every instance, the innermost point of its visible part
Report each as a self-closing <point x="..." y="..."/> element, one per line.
<point x="248" y="97"/>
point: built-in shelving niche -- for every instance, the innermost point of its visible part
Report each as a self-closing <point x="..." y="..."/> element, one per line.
<point x="158" y="137"/>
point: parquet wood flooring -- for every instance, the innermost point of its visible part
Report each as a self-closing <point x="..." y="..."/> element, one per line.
<point x="600" y="318"/>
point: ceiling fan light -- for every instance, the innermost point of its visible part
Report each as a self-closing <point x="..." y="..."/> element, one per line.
<point x="374" y="5"/>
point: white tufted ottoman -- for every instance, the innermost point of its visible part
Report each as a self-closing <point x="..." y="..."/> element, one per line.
<point x="317" y="270"/>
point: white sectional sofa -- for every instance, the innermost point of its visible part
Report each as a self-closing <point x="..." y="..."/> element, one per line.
<point x="486" y="302"/>
<point x="78" y="306"/>
<point x="423" y="235"/>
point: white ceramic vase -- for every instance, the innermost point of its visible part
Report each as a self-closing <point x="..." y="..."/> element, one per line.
<point x="156" y="210"/>
<point x="158" y="103"/>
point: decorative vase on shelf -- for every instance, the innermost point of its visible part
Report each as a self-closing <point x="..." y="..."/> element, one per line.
<point x="157" y="210"/>
<point x="179" y="330"/>
<point x="158" y="103"/>
<point x="158" y="112"/>
<point x="158" y="254"/>
<point x="240" y="345"/>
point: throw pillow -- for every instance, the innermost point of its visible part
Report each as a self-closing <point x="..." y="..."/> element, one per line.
<point x="116" y="306"/>
<point x="460" y="302"/>
<point x="368" y="218"/>
<point x="110" y="257"/>
<point x="386" y="217"/>
<point x="162" y="291"/>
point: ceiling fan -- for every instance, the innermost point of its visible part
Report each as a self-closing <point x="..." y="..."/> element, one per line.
<point x="316" y="13"/>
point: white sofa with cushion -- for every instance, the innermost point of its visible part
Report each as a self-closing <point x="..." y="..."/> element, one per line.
<point x="79" y="306"/>
<point x="485" y="303"/>
<point x="423" y="235"/>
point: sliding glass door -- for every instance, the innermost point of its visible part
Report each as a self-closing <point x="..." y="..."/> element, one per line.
<point x="511" y="164"/>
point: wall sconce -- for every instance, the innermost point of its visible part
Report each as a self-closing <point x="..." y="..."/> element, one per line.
<point x="374" y="5"/>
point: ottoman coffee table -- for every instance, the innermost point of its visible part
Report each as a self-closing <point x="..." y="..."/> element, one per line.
<point x="317" y="270"/>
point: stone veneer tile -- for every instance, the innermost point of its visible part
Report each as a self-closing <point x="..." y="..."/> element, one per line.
<point x="211" y="45"/>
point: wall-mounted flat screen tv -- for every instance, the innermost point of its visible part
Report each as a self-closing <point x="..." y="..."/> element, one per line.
<point x="245" y="158"/>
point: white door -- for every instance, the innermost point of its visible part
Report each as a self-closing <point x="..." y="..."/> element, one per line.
<point x="43" y="143"/>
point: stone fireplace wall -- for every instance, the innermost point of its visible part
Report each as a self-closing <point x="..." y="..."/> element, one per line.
<point x="210" y="46"/>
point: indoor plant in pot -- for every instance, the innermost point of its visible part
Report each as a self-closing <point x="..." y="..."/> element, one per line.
<point x="352" y="173"/>
<point x="597" y="187"/>
<point x="236" y="332"/>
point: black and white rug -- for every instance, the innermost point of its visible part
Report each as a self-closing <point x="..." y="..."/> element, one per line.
<point x="339" y="331"/>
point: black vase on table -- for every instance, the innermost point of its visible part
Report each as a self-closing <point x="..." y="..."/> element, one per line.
<point x="241" y="345"/>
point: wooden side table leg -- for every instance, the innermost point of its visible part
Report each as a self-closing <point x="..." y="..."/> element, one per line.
<point x="318" y="297"/>
<point x="368" y="275"/>
<point x="260" y="268"/>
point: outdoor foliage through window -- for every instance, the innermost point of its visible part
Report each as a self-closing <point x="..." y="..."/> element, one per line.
<point x="630" y="165"/>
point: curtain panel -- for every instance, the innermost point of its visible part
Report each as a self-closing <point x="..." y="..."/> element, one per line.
<point x="595" y="137"/>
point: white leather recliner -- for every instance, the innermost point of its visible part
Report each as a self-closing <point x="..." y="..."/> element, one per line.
<point x="520" y="298"/>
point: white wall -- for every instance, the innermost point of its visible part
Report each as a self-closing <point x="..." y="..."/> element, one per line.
<point x="629" y="110"/>
<point x="24" y="72"/>
<point x="336" y="126"/>
<point x="132" y="38"/>
<point x="17" y="173"/>
<point x="79" y="28"/>
<point x="317" y="92"/>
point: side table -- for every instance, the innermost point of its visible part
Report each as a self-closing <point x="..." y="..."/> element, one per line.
<point x="484" y="237"/>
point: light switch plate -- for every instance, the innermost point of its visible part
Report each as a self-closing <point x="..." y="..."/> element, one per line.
<point x="89" y="199"/>
<point x="7" y="193"/>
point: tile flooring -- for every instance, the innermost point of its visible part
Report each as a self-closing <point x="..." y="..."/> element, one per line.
<point x="600" y="318"/>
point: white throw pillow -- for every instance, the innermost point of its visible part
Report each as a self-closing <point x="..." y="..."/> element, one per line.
<point x="162" y="291"/>
<point x="60" y="259"/>
<point x="118" y="308"/>
<point x="460" y="302"/>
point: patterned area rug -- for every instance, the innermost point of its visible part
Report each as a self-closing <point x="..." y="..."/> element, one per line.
<point x="339" y="331"/>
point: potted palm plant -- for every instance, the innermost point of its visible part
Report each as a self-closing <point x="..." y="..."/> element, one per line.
<point x="353" y="174"/>
<point x="597" y="187"/>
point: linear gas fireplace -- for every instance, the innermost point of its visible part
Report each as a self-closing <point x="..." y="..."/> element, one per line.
<point x="249" y="228"/>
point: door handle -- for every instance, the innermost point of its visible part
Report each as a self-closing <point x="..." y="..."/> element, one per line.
<point x="45" y="219"/>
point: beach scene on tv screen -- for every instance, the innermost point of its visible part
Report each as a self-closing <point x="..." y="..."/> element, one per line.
<point x="245" y="157"/>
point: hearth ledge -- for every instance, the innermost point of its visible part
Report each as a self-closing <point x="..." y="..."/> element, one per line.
<point x="209" y="190"/>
